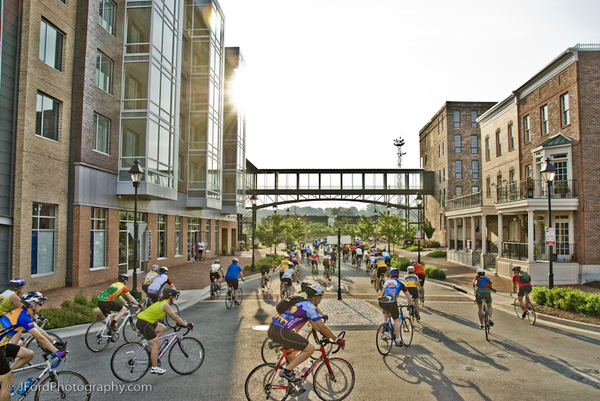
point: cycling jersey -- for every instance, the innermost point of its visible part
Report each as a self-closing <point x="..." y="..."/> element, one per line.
<point x="359" y="252"/>
<point x="391" y="289"/>
<point x="411" y="280"/>
<point x="419" y="269"/>
<point x="481" y="290"/>
<point x="150" y="278"/>
<point x="233" y="271"/>
<point x="314" y="257"/>
<point x="294" y="318"/>
<point x="215" y="268"/>
<point x="380" y="261"/>
<point x="159" y="282"/>
<point x="288" y="273"/>
<point x="284" y="265"/>
<point x="6" y="304"/>
<point x="154" y="312"/>
<point x="13" y="322"/>
<point x="326" y="259"/>
<point x="385" y="255"/>
<point x="113" y="292"/>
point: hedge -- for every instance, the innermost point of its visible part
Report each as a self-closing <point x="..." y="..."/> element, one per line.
<point x="435" y="273"/>
<point x="437" y="254"/>
<point x="568" y="299"/>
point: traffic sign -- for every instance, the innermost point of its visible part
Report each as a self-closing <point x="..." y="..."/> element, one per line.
<point x="550" y="236"/>
<point x="418" y="236"/>
<point x="332" y="239"/>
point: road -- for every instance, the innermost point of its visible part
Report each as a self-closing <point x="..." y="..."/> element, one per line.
<point x="449" y="358"/>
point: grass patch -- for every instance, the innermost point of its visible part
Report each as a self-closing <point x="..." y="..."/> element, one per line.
<point x="437" y="254"/>
<point x="78" y="311"/>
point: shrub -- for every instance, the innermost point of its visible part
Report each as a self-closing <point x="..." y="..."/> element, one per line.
<point x="232" y="252"/>
<point x="396" y="257"/>
<point x="431" y="244"/>
<point x="70" y="313"/>
<point x="435" y="273"/>
<point x="568" y="299"/>
<point x="413" y="248"/>
<point x="224" y="250"/>
<point x="437" y="254"/>
<point x="248" y="267"/>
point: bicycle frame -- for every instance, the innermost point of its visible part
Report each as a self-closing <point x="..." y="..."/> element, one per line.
<point x="174" y="337"/>
<point x="47" y="369"/>
<point x="125" y="319"/>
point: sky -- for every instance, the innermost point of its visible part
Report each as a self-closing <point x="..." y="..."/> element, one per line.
<point x="332" y="83"/>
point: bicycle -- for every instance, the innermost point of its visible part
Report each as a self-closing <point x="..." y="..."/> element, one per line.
<point x="266" y="285"/>
<point x="130" y="362"/>
<point x="229" y="296"/>
<point x="215" y="288"/>
<point x="315" y="271"/>
<point x="26" y="341"/>
<point x="386" y="335"/>
<point x="287" y="290"/>
<point x="486" y="321"/>
<point x="99" y="334"/>
<point x="56" y="385"/>
<point x="327" y="275"/>
<point x="333" y="378"/>
<point x="530" y="309"/>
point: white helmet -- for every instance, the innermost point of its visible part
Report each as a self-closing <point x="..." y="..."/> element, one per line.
<point x="155" y="268"/>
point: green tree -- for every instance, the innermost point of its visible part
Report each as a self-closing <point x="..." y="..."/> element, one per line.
<point x="296" y="228"/>
<point x="346" y="226"/>
<point x="318" y="230"/>
<point x="365" y="227"/>
<point x="428" y="229"/>
<point x="271" y="232"/>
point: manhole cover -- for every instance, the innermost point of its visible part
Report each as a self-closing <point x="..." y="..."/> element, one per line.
<point x="502" y="356"/>
<point x="470" y="368"/>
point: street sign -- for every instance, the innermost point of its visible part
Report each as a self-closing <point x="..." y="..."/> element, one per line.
<point x="550" y="236"/>
<point x="418" y="236"/>
<point x="131" y="228"/>
<point x="333" y="239"/>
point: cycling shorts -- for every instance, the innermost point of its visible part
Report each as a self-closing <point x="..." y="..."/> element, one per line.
<point x="232" y="282"/>
<point x="287" y="338"/>
<point x="326" y="265"/>
<point x="216" y="276"/>
<point x="421" y="279"/>
<point x="390" y="308"/>
<point x="483" y="296"/>
<point x="314" y="262"/>
<point x="147" y="329"/>
<point x="526" y="289"/>
<point x="381" y="271"/>
<point x="110" y="306"/>
<point x="264" y="269"/>
<point x="287" y="280"/>
<point x="414" y="292"/>
<point x="7" y="351"/>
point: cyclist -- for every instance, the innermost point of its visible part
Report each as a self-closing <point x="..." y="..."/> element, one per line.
<point x="419" y="271"/>
<point x="483" y="292"/>
<point x="216" y="272"/>
<point x="288" y="276"/>
<point x="387" y="257"/>
<point x="302" y="250"/>
<point x="107" y="299"/>
<point x="11" y="298"/>
<point x="315" y="260"/>
<point x="264" y="272"/>
<point x="353" y="249"/>
<point x="284" y="264"/>
<point x="150" y="278"/>
<point x="285" y="326"/>
<point x="326" y="264"/>
<point x="308" y="252"/>
<point x="333" y="255"/>
<point x="234" y="273"/>
<point x="155" y="289"/>
<point x="411" y="280"/>
<point x="524" y="289"/>
<point x="359" y="255"/>
<point x="387" y="301"/>
<point x="345" y="251"/>
<point x="381" y="270"/>
<point x="21" y="319"/>
<point x="148" y="325"/>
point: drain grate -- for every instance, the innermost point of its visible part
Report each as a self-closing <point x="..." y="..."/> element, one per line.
<point x="470" y="368"/>
<point x="502" y="355"/>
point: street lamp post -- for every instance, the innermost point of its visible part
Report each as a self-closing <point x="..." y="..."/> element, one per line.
<point x="375" y="229"/>
<point x="253" y="201"/>
<point x="136" y="173"/>
<point x="274" y="213"/>
<point x="548" y="173"/>
<point x="419" y="201"/>
<point x="287" y="216"/>
<point x="388" y="207"/>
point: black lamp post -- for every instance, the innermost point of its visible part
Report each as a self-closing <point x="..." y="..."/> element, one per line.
<point x="136" y="173"/>
<point x="419" y="202"/>
<point x="388" y="207"/>
<point x="548" y="173"/>
<point x="375" y="229"/>
<point x="274" y="213"/>
<point x="253" y="200"/>
<point x="287" y="216"/>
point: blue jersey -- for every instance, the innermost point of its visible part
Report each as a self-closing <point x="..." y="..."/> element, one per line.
<point x="391" y="290"/>
<point x="294" y="318"/>
<point x="233" y="271"/>
<point x="13" y="322"/>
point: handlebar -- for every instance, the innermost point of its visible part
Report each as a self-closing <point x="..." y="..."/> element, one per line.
<point x="179" y="327"/>
<point x="324" y="341"/>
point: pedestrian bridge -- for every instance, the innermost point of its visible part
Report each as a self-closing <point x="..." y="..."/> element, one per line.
<point x="395" y="187"/>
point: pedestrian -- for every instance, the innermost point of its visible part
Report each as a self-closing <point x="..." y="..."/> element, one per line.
<point x="200" y="250"/>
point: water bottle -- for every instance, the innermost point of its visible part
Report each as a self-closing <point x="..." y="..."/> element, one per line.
<point x="305" y="369"/>
<point x="25" y="386"/>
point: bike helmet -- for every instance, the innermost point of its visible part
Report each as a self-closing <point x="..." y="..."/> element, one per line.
<point x="164" y="269"/>
<point x="516" y="269"/>
<point x="480" y="272"/>
<point x="410" y="269"/>
<point x="170" y="292"/>
<point x="314" y="290"/>
<point x="217" y="261"/>
<point x="394" y="273"/>
<point x="122" y="277"/>
<point x="16" y="283"/>
<point x="33" y="298"/>
<point x="413" y="261"/>
<point x="154" y="268"/>
<point x="235" y="260"/>
<point x="286" y="256"/>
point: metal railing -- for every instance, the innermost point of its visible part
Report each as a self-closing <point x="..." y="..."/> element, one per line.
<point x="517" y="250"/>
<point x="464" y="202"/>
<point x="535" y="189"/>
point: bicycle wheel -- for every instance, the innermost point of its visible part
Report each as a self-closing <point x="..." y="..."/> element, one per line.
<point x="334" y="382"/>
<point x="213" y="288"/>
<point x="130" y="362"/>
<point x="264" y="383"/>
<point x="240" y="296"/>
<point x="268" y="284"/>
<point x="186" y="356"/>
<point x="97" y="337"/>
<point x="64" y="385"/>
<point x="531" y="313"/>
<point x="169" y="320"/>
<point x="269" y="355"/>
<point x="406" y="331"/>
<point x="130" y="333"/>
<point x="38" y="351"/>
<point x="486" y="324"/>
<point x="315" y="273"/>
<point x="517" y="307"/>
<point x="384" y="339"/>
<point x="422" y="299"/>
<point x="229" y="299"/>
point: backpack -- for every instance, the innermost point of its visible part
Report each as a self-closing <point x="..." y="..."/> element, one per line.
<point x="524" y="277"/>
<point x="484" y="282"/>
<point x="286" y="304"/>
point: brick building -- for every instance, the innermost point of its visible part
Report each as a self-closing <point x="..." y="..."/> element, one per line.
<point x="99" y="85"/>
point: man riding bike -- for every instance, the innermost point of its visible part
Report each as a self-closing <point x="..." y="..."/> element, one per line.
<point x="216" y="273"/>
<point x="411" y="280"/>
<point x="387" y="301"/>
<point x="420" y="272"/>
<point x="381" y="270"/>
<point x="314" y="261"/>
<point x="234" y="273"/>
<point x="289" y="275"/>
<point x="524" y="283"/>
<point x="107" y="300"/>
<point x="159" y="283"/>
<point x="483" y="292"/>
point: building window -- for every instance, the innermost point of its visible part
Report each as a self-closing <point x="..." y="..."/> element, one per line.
<point x="442" y="122"/>
<point x="457" y="144"/>
<point x="526" y="129"/>
<point x="444" y="174"/>
<point x="42" y="238"/>
<point x="458" y="169"/>
<point x="511" y="176"/>
<point x="443" y="148"/>
<point x="162" y="236"/>
<point x="564" y="110"/>
<point x="487" y="148"/>
<point x="47" y="117"/>
<point x="498" y="143"/>
<point x="439" y="126"/>
<point x="511" y="138"/>
<point x="104" y="67"/>
<point x="439" y="150"/>
<point x="544" y="119"/>
<point x="456" y="119"/>
<point x="488" y="187"/>
<point x="474" y="144"/>
<point x="107" y="15"/>
<point x="207" y="236"/>
<point x="475" y="168"/>
<point x="458" y="190"/>
<point x="528" y="171"/>
<point x="51" y="45"/>
<point x="98" y="238"/>
<point x="178" y="235"/>
<point x="101" y="133"/>
<point x="475" y="189"/>
<point x="474" y="119"/>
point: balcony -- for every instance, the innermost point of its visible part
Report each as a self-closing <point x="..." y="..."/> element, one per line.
<point x="464" y="202"/>
<point x="529" y="189"/>
<point x="564" y="252"/>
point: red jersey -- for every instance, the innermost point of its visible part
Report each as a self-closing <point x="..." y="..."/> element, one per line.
<point x="515" y="279"/>
<point x="419" y="269"/>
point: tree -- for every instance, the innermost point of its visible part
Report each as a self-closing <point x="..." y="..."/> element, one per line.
<point x="346" y="226"/>
<point x="365" y="227"/>
<point x="271" y="232"/>
<point x="318" y="230"/>
<point x="428" y="229"/>
<point x="296" y="228"/>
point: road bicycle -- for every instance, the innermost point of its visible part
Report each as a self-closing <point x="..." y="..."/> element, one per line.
<point x="99" y="334"/>
<point x="315" y="271"/>
<point x="229" y="296"/>
<point x="386" y="335"/>
<point x="327" y="275"/>
<point x="287" y="290"/>
<point x="266" y="284"/>
<point x="167" y="321"/>
<point x="50" y="384"/>
<point x="130" y="362"/>
<point x="215" y="288"/>
<point x="530" y="309"/>
<point x="486" y="320"/>
<point x="29" y="342"/>
<point x="333" y="378"/>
